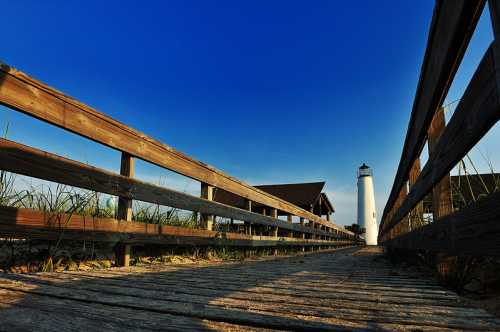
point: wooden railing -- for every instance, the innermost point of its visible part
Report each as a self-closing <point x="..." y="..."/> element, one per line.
<point x="29" y="96"/>
<point x="475" y="228"/>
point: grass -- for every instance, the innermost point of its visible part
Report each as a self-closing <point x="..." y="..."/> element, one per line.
<point x="462" y="195"/>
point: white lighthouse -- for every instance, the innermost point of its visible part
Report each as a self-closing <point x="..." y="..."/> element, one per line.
<point x="367" y="217"/>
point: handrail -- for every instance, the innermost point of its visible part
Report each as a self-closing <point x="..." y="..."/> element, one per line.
<point x="452" y="26"/>
<point x="471" y="230"/>
<point x="32" y="162"/>
<point x="30" y="96"/>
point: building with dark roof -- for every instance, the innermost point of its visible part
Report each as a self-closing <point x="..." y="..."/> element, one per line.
<point x="308" y="196"/>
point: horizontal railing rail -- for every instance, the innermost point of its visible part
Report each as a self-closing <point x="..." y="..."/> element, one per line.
<point x="32" y="162"/>
<point x="49" y="226"/>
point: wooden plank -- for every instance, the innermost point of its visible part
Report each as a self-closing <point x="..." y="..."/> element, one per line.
<point x="268" y="290"/>
<point x="48" y="313"/>
<point x="285" y="309"/>
<point x="163" y="289"/>
<point x="29" y="161"/>
<point x="476" y="113"/>
<point x="39" y="225"/>
<point x="198" y="310"/>
<point x="25" y="94"/>
<point x="452" y="26"/>
<point x="471" y="231"/>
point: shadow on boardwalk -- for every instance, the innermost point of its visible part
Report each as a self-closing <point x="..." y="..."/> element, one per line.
<point x="349" y="289"/>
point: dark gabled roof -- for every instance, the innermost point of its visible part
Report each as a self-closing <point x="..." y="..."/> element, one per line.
<point x="326" y="200"/>
<point x="301" y="194"/>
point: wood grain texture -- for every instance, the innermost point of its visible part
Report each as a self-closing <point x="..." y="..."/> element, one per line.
<point x="29" y="161"/>
<point x="359" y="291"/>
<point x="476" y="113"/>
<point x="25" y="94"/>
<point x="41" y="225"/>
<point x="452" y="26"/>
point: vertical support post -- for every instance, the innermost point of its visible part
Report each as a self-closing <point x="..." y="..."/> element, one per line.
<point x="262" y="228"/>
<point x="289" y="220"/>
<point x="122" y="251"/>
<point x="302" y="234"/>
<point x="248" y="225"/>
<point x="274" y="214"/>
<point x="125" y="204"/>
<point x="207" y="192"/>
<point x="401" y="197"/>
<point x="417" y="214"/>
<point x="441" y="194"/>
<point x="302" y="224"/>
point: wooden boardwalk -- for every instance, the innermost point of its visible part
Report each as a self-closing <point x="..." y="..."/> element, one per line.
<point x="354" y="289"/>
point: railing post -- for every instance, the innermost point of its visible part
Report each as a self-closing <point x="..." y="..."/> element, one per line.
<point x="302" y="224"/>
<point x="289" y="220"/>
<point x="122" y="251"/>
<point x="442" y="204"/>
<point x="248" y="225"/>
<point x="274" y="214"/>
<point x="264" y="213"/>
<point x="125" y="204"/>
<point x="302" y="234"/>
<point x="207" y="220"/>
<point x="417" y="214"/>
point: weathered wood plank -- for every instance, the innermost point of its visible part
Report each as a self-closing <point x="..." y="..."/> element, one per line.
<point x="320" y="312"/>
<point x="47" y="313"/>
<point x="199" y="310"/>
<point x="452" y="26"/>
<point x="25" y="94"/>
<point x="272" y="290"/>
<point x="29" y="161"/>
<point x="476" y="113"/>
<point x="39" y="225"/>
<point x="251" y="302"/>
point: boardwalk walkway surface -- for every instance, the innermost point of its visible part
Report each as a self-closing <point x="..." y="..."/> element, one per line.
<point x="349" y="289"/>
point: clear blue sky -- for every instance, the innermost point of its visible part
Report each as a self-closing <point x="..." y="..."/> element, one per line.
<point x="268" y="91"/>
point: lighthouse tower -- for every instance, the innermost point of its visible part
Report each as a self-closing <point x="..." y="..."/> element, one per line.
<point x="366" y="205"/>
